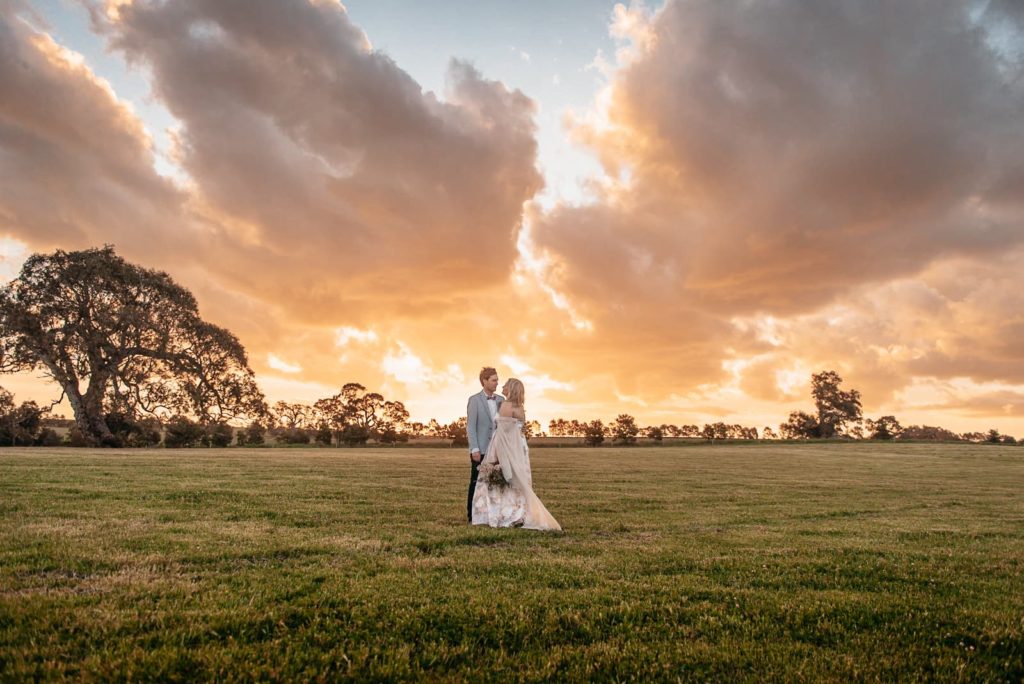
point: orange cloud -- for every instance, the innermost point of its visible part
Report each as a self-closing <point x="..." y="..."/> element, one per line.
<point x="77" y="165"/>
<point x="773" y="162"/>
<point x="324" y="153"/>
<point x="786" y="189"/>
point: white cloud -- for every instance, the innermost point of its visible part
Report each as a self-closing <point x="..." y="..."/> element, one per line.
<point x="347" y="334"/>
<point x="277" y="363"/>
<point x="12" y="256"/>
<point x="536" y="383"/>
<point x="407" y="368"/>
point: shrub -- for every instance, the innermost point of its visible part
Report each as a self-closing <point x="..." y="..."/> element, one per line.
<point x="392" y="436"/>
<point x="323" y="435"/>
<point x="217" y="435"/>
<point x="74" y="438"/>
<point x="252" y="435"/>
<point x="292" y="435"/>
<point x="48" y="438"/>
<point x="183" y="433"/>
<point x="131" y="431"/>
<point x="354" y="435"/>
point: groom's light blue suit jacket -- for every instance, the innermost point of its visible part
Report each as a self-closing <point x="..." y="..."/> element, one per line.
<point x="479" y="426"/>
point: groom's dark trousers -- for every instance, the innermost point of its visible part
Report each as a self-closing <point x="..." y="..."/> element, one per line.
<point x="474" y="471"/>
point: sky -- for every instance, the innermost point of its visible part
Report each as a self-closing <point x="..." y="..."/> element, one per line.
<point x="675" y="210"/>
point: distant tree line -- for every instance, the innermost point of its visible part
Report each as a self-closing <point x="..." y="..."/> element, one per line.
<point x="139" y="367"/>
<point x="838" y="415"/>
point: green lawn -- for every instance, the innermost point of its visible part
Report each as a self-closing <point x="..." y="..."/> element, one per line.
<point x="841" y="562"/>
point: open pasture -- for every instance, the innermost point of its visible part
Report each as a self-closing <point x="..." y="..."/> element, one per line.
<point x="841" y="562"/>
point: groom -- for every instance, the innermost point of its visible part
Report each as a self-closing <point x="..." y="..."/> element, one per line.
<point x="480" y="413"/>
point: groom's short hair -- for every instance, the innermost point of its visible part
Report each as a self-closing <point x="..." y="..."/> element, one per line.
<point x="486" y="372"/>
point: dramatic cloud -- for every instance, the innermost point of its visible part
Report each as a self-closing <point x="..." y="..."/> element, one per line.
<point x="787" y="187"/>
<point x="336" y="184"/>
<point x="76" y="165"/>
<point x="320" y="187"/>
<point x="774" y="154"/>
<point x="775" y="160"/>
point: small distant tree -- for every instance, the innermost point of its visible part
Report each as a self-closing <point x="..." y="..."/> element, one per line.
<point x="356" y="416"/>
<point x="768" y="433"/>
<point x="392" y="426"/>
<point x="886" y="427"/>
<point x="291" y="415"/>
<point x="690" y="431"/>
<point x="654" y="433"/>
<point x="836" y="407"/>
<point x="800" y="425"/>
<point x="593" y="433"/>
<point x="19" y="425"/>
<point x="624" y="429"/>
<point x="531" y="429"/>
<point x="993" y="436"/>
<point x="455" y="432"/>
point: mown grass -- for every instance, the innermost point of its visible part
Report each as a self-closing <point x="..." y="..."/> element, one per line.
<point x="839" y="562"/>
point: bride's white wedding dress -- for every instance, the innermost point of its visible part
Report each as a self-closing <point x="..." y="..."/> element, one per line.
<point x="514" y="505"/>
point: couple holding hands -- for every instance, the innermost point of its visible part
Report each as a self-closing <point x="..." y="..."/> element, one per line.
<point x="501" y="483"/>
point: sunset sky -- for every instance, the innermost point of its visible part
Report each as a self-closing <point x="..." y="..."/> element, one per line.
<point x="676" y="210"/>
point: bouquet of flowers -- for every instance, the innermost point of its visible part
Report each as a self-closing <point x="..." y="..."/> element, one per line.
<point x="491" y="474"/>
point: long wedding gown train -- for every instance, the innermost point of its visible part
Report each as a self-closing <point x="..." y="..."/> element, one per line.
<point x="516" y="502"/>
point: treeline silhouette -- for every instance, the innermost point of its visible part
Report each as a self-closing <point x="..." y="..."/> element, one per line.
<point x="139" y="368"/>
<point x="355" y="417"/>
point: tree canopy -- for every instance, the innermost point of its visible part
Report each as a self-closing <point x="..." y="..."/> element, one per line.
<point x="836" y="408"/>
<point x="120" y="338"/>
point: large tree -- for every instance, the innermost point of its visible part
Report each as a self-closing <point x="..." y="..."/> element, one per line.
<point x="118" y="337"/>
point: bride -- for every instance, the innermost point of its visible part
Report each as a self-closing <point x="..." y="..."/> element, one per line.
<point x="504" y="489"/>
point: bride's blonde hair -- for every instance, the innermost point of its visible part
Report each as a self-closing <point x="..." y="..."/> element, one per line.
<point x="515" y="392"/>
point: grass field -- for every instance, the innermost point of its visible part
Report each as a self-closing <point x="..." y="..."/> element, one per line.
<point x="842" y="562"/>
